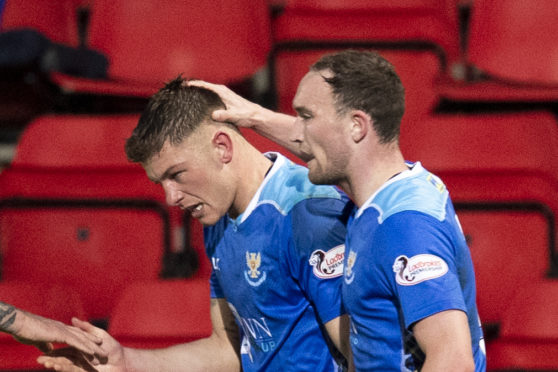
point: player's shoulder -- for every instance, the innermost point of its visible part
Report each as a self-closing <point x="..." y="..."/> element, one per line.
<point x="290" y="186"/>
<point x="417" y="190"/>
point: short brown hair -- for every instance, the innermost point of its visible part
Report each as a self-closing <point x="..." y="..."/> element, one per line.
<point x="172" y="114"/>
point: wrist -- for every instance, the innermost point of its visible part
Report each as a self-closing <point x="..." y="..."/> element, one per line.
<point x="264" y="118"/>
<point x="12" y="320"/>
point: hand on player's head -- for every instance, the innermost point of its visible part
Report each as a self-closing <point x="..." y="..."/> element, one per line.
<point x="239" y="111"/>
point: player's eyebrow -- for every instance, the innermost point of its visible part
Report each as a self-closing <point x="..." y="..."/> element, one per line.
<point x="165" y="175"/>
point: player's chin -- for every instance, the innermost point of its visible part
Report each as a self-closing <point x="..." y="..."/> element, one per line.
<point x="209" y="219"/>
<point x="317" y="177"/>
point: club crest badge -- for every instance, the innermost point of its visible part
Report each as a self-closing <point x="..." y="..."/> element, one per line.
<point x="419" y="268"/>
<point x="253" y="275"/>
<point x="349" y="273"/>
<point x="328" y="264"/>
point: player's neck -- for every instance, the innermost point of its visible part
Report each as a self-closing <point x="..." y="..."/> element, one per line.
<point x="371" y="172"/>
<point x="253" y="167"/>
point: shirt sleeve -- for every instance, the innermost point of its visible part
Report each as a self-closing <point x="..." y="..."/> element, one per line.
<point x="419" y="262"/>
<point x="316" y="252"/>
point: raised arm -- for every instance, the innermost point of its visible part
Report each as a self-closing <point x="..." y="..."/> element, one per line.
<point x="243" y="113"/>
<point x="219" y="352"/>
<point x="41" y="332"/>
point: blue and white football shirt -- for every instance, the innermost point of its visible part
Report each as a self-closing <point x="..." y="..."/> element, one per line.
<point x="406" y="259"/>
<point x="279" y="265"/>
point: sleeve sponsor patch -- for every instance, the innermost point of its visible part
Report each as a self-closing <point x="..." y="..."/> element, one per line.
<point x="419" y="268"/>
<point x="328" y="264"/>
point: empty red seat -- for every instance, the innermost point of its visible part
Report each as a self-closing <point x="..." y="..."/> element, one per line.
<point x="57" y="20"/>
<point x="43" y="299"/>
<point x="150" y="42"/>
<point x="485" y="145"/>
<point x="514" y="40"/>
<point x="528" y="339"/>
<point x="71" y="141"/>
<point x="512" y="44"/>
<point x="162" y="313"/>
<point x="95" y="248"/>
<point x="504" y="241"/>
<point x="77" y="157"/>
<point x="409" y="23"/>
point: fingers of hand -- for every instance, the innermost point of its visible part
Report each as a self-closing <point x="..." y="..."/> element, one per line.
<point x="67" y="359"/>
<point x="87" y="327"/>
<point x="203" y="84"/>
<point x="220" y="115"/>
<point x="58" y="363"/>
<point x="85" y="342"/>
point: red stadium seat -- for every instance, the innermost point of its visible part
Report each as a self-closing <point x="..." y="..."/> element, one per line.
<point x="291" y="65"/>
<point x="485" y="145"/>
<point x="163" y="313"/>
<point x="69" y="141"/>
<point x="149" y="42"/>
<point x="512" y="44"/>
<point x="95" y="248"/>
<point x="47" y="300"/>
<point x="498" y="171"/>
<point x="57" y="20"/>
<point x="504" y="241"/>
<point x="528" y="339"/>
<point x="514" y="40"/>
<point x="409" y="23"/>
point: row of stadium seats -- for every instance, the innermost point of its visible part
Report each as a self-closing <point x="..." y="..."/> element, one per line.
<point x="507" y="47"/>
<point x="129" y="31"/>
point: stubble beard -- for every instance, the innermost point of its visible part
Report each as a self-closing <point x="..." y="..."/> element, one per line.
<point x="333" y="175"/>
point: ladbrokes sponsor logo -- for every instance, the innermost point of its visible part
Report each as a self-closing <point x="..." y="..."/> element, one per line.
<point x="328" y="264"/>
<point x="417" y="269"/>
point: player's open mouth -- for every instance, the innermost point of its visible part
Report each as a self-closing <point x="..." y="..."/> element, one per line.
<point x="195" y="209"/>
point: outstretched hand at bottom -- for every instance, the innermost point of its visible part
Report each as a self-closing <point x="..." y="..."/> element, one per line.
<point x="72" y="360"/>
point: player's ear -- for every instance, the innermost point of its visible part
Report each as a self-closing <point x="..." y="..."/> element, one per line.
<point x="223" y="145"/>
<point x="361" y="123"/>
